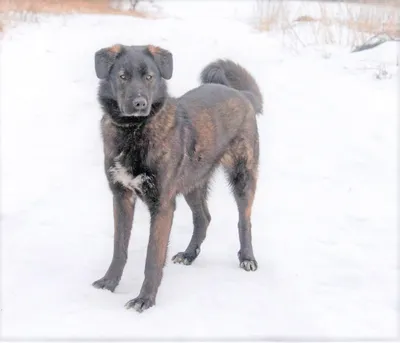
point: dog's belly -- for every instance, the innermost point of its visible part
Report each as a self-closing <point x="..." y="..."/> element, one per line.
<point x="195" y="174"/>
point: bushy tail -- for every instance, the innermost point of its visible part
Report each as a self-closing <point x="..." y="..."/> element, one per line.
<point x="231" y="74"/>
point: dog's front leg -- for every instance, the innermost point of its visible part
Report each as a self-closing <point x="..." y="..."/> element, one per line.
<point x="124" y="206"/>
<point x="160" y="228"/>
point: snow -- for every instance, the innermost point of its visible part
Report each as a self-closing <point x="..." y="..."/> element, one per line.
<point x="324" y="218"/>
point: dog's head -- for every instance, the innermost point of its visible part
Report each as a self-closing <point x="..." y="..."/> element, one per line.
<point x="135" y="76"/>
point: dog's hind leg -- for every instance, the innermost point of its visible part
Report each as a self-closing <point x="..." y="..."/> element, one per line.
<point x="197" y="201"/>
<point x="243" y="179"/>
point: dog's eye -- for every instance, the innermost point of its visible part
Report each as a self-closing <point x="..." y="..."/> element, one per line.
<point x="122" y="76"/>
<point x="149" y="77"/>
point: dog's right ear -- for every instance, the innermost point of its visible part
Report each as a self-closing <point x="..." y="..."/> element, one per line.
<point x="104" y="60"/>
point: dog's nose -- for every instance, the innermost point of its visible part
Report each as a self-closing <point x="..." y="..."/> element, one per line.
<point x="140" y="103"/>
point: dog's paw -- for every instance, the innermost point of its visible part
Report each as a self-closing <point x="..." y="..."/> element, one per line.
<point x="140" y="304"/>
<point x="248" y="263"/>
<point x="105" y="283"/>
<point x="186" y="258"/>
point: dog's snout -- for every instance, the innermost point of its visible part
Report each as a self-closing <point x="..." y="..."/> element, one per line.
<point x="140" y="103"/>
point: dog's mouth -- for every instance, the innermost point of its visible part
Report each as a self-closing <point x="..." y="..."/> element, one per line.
<point x="141" y="113"/>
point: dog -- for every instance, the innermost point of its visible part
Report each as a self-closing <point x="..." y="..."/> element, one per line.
<point x="157" y="147"/>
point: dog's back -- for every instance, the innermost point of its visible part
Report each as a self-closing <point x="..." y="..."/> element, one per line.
<point x="223" y="108"/>
<point x="216" y="111"/>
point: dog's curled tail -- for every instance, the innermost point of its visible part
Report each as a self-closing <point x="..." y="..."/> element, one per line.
<point x="231" y="74"/>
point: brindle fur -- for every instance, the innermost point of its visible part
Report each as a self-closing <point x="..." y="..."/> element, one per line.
<point x="163" y="146"/>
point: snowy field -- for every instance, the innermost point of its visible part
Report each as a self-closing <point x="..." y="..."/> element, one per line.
<point x="324" y="219"/>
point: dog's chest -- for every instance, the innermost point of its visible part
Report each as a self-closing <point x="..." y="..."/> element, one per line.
<point x="123" y="172"/>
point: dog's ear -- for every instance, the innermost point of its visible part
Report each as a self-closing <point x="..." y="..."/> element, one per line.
<point x="163" y="59"/>
<point x="104" y="60"/>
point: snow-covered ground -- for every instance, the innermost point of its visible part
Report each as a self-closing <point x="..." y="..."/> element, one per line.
<point x="324" y="219"/>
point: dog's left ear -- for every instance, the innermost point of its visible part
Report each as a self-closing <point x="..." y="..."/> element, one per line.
<point x="104" y="60"/>
<point x="163" y="59"/>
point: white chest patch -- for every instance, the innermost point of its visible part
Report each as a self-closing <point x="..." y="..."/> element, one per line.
<point x="120" y="174"/>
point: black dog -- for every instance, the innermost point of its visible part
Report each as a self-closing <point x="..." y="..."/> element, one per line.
<point x="157" y="147"/>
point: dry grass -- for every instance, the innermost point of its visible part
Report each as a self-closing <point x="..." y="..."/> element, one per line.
<point x="346" y="23"/>
<point x="30" y="10"/>
<point x="372" y="19"/>
<point x="272" y="14"/>
<point x="63" y="7"/>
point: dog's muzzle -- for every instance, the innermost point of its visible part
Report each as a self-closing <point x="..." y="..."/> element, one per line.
<point x="139" y="108"/>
